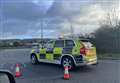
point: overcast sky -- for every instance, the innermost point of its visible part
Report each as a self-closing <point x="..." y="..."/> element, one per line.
<point x="22" y="18"/>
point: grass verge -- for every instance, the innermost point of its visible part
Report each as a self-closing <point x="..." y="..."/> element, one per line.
<point x="114" y="56"/>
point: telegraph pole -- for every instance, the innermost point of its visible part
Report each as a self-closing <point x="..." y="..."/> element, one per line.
<point x="71" y="27"/>
<point x="72" y="30"/>
<point x="41" y="27"/>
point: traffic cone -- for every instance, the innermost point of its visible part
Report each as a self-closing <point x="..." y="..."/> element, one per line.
<point x="17" y="72"/>
<point x="66" y="73"/>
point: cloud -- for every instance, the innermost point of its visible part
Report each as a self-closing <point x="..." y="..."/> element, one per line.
<point x="84" y="16"/>
<point x="23" y="18"/>
<point x="22" y="9"/>
<point x="18" y="17"/>
<point x="37" y="34"/>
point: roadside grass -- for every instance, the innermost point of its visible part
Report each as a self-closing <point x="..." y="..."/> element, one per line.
<point x="6" y="48"/>
<point x="13" y="47"/>
<point x="109" y="56"/>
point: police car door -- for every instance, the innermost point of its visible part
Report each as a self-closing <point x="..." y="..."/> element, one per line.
<point x="49" y="51"/>
<point x="58" y="47"/>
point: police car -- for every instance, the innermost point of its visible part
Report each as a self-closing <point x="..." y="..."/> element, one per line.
<point x="71" y="52"/>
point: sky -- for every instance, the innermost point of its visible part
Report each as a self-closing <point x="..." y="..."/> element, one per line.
<point x="24" y="18"/>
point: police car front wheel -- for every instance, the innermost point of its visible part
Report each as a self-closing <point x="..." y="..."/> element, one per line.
<point x="68" y="61"/>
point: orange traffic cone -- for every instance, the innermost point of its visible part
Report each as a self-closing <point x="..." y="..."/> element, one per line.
<point x="17" y="72"/>
<point x="66" y="73"/>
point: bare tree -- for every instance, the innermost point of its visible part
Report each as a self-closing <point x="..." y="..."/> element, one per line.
<point x="107" y="37"/>
<point x="111" y="18"/>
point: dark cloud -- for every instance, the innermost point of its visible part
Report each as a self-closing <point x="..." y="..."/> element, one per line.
<point x="16" y="26"/>
<point x="22" y="26"/>
<point x="19" y="17"/>
<point x="22" y="9"/>
<point x="67" y="8"/>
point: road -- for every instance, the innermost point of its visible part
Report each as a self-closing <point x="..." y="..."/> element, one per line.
<point x="107" y="71"/>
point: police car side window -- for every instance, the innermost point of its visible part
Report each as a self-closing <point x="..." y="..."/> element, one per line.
<point x="49" y="44"/>
<point x="59" y="43"/>
<point x="69" y="43"/>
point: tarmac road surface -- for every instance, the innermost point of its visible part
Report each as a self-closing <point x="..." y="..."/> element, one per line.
<point x="107" y="71"/>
